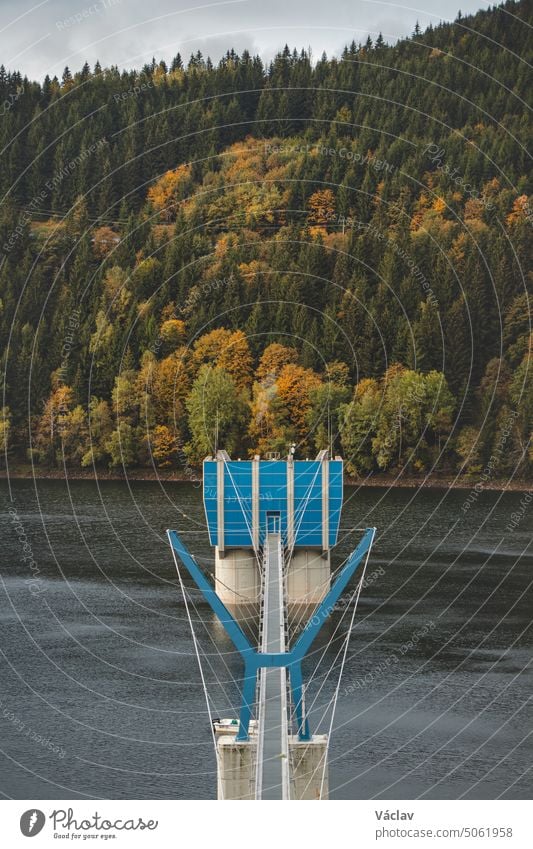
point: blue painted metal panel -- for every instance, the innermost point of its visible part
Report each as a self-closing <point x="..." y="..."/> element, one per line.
<point x="308" y="503"/>
<point x="210" y="499"/>
<point x="273" y="498"/>
<point x="272" y="494"/>
<point x="336" y="486"/>
<point x="238" y="504"/>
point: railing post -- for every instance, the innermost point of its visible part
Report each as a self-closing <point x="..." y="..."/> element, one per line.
<point x="249" y="683"/>
<point x="295" y="671"/>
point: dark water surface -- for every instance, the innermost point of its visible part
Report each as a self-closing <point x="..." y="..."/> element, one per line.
<point x="100" y="690"/>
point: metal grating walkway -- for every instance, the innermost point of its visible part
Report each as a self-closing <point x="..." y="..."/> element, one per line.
<point x="273" y="760"/>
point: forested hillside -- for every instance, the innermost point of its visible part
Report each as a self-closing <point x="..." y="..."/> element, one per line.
<point x="320" y="252"/>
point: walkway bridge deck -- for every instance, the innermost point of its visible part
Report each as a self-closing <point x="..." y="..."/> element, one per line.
<point x="272" y="781"/>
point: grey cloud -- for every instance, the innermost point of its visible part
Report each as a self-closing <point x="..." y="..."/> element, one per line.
<point x="129" y="32"/>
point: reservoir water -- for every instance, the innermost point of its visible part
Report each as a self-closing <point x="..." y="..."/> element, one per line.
<point x="101" y="694"/>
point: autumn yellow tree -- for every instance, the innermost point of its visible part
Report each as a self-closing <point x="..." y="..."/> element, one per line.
<point x="48" y="433"/>
<point x="74" y="434"/>
<point x="520" y="210"/>
<point x="273" y="358"/>
<point x="229" y="351"/>
<point x="125" y="396"/>
<point x="321" y="207"/>
<point x="264" y="434"/>
<point x="170" y="387"/>
<point x="236" y="359"/>
<point x="115" y="291"/>
<point x="163" y="446"/>
<point x="281" y="409"/>
<point x="207" y="348"/>
<point x="294" y="386"/>
<point x="338" y="373"/>
<point x="172" y="333"/>
<point x="439" y="205"/>
<point x="104" y="240"/>
<point x="5" y="428"/>
<point x="169" y="190"/>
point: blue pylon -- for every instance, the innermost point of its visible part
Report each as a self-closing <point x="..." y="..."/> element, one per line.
<point x="254" y="660"/>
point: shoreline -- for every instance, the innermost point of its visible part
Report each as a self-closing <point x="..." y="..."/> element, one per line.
<point x="384" y="481"/>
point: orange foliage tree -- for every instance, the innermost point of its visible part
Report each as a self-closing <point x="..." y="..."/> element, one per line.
<point x="520" y="210"/>
<point x="163" y="446"/>
<point x="273" y="358"/>
<point x="169" y="190"/>
<point x="229" y="351"/>
<point x="104" y="240"/>
<point x="321" y="207"/>
<point x="281" y="408"/>
<point x="295" y="385"/>
<point x="208" y="347"/>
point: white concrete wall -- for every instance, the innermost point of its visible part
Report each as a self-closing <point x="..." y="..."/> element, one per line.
<point x="236" y="770"/>
<point x="308" y="576"/>
<point x="237" y="576"/>
<point x="307" y="768"/>
<point x="238" y="580"/>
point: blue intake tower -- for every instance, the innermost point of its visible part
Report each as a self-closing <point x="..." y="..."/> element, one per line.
<point x="272" y="524"/>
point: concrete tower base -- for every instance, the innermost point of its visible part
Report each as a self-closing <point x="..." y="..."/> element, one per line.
<point x="236" y="768"/>
<point x="307" y="767"/>
<point x="238" y="581"/>
<point x="237" y="760"/>
<point x="308" y="576"/>
<point x="237" y="576"/>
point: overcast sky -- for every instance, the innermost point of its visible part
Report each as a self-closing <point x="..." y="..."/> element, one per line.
<point x="42" y="37"/>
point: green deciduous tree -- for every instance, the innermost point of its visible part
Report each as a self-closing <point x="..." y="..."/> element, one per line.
<point x="398" y="422"/>
<point x="217" y="414"/>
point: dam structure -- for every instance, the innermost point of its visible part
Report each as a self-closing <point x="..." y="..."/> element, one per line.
<point x="272" y="524"/>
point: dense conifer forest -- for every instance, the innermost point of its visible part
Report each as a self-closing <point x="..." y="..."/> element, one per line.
<point x="320" y="251"/>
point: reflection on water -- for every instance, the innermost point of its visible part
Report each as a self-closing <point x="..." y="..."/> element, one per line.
<point x="98" y="662"/>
